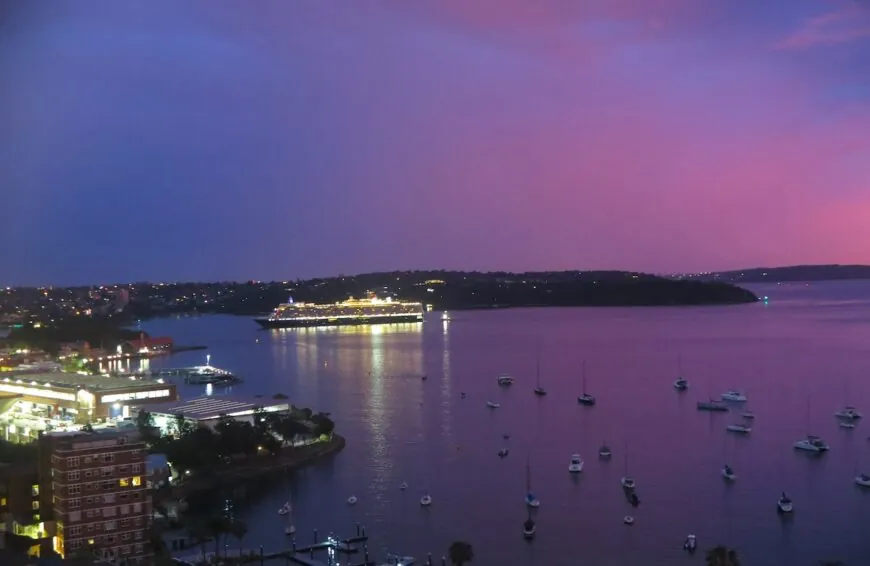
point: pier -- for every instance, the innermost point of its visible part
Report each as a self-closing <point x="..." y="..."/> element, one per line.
<point x="198" y="375"/>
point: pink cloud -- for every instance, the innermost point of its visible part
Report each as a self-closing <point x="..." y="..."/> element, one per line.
<point x="850" y="22"/>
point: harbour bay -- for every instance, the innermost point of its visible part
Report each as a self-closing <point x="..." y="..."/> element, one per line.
<point x="807" y="342"/>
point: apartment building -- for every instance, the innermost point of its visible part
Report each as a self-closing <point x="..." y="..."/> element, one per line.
<point x="99" y="494"/>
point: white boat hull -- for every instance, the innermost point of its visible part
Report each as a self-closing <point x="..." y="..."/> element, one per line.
<point x="734" y="398"/>
<point x="352" y="500"/>
<point x="809" y="447"/>
<point x="291" y="530"/>
<point x="425" y="501"/>
<point x="534" y="503"/>
<point x="628" y="483"/>
<point x="729" y="476"/>
<point x="738" y="429"/>
<point x="862" y="482"/>
<point x="785" y="507"/>
<point x="530" y="533"/>
<point x="575" y="468"/>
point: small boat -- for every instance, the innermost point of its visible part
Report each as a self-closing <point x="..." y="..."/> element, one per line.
<point x="396" y="560"/>
<point x="863" y="480"/>
<point x="734" y="396"/>
<point x="712" y="405"/>
<point x="784" y="504"/>
<point x="812" y="444"/>
<point x="531" y="499"/>
<point x="492" y="405"/>
<point x="691" y="544"/>
<point x="628" y="520"/>
<point x="847" y="424"/>
<point x="290" y="530"/>
<point x="585" y="398"/>
<point x="728" y="473"/>
<point x="739" y="428"/>
<point x="604" y="451"/>
<point x="285" y="509"/>
<point x="529" y="528"/>
<point x="426" y="500"/>
<point x="505" y="380"/>
<point x="503" y="453"/>
<point x="576" y="465"/>
<point x="506" y="436"/>
<point x="403" y="486"/>
<point x="626" y="480"/>
<point x="681" y="384"/>
<point x="848" y="412"/>
<point x="462" y="395"/>
<point x="633" y="499"/>
<point x="352" y="500"/>
<point x="539" y="391"/>
<point x="748" y="415"/>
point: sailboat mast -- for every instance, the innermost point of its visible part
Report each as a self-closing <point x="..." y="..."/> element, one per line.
<point x="538" y="368"/>
<point x="584" y="377"/>
<point x="528" y="474"/>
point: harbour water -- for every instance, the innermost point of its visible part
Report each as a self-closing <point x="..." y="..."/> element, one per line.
<point x="799" y="358"/>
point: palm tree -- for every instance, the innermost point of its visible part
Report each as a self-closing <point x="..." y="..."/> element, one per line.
<point x="461" y="552"/>
<point x="238" y="529"/>
<point x="722" y="556"/>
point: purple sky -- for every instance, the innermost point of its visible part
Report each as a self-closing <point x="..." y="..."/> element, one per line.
<point x="168" y="140"/>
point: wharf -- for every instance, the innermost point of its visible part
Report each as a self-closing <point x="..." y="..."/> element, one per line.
<point x="198" y="375"/>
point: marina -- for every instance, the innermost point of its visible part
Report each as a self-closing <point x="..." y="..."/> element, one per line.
<point x="676" y="453"/>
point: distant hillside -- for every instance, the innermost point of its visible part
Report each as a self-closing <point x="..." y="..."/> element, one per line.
<point x="785" y="274"/>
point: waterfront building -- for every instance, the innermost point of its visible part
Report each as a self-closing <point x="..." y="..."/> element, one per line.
<point x="208" y="410"/>
<point x="96" y="482"/>
<point x="23" y="503"/>
<point x="83" y="398"/>
<point x="146" y="345"/>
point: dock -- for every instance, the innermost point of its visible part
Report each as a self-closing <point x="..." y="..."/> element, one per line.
<point x="198" y="375"/>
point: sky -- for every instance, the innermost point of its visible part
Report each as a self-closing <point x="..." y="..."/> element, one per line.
<point x="216" y="140"/>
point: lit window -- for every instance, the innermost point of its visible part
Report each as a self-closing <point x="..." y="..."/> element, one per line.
<point x="137" y="481"/>
<point x="35" y="505"/>
<point x="124" y="482"/>
<point x="2" y="502"/>
<point x="34" y="490"/>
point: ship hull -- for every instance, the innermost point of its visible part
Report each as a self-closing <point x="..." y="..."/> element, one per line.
<point x="354" y="321"/>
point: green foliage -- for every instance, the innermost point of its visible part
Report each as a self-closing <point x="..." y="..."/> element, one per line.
<point x="722" y="556"/>
<point x="105" y="331"/>
<point x="460" y="552"/>
<point x="322" y="424"/>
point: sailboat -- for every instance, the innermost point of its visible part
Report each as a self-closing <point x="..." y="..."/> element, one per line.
<point x="585" y="398"/>
<point x="680" y="384"/>
<point x="290" y="529"/>
<point x="627" y="481"/>
<point x="529" y="526"/>
<point x="539" y="391"/>
<point x="811" y="443"/>
<point x="531" y="499"/>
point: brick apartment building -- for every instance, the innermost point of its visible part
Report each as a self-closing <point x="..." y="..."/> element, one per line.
<point x="98" y="489"/>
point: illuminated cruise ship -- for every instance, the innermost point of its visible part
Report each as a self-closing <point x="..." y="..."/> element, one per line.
<point x="352" y="311"/>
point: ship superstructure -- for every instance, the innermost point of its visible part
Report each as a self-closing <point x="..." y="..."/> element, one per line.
<point x="353" y="311"/>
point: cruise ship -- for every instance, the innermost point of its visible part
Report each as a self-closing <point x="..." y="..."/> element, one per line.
<point x="351" y="312"/>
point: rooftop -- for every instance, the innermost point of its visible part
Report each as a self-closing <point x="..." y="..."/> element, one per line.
<point x="205" y="408"/>
<point x="66" y="380"/>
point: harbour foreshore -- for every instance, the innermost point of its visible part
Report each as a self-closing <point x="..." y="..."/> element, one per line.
<point x="299" y="458"/>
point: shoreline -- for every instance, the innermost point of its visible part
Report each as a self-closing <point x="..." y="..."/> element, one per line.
<point x="299" y="459"/>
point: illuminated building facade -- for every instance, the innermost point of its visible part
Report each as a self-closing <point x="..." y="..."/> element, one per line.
<point x="98" y="489"/>
<point x="23" y="502"/>
<point x="86" y="397"/>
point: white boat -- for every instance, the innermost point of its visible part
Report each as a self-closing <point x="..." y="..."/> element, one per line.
<point x="739" y="428"/>
<point x="576" y="465"/>
<point x="585" y="398"/>
<point x="734" y="396"/>
<point x="680" y="384"/>
<point x="863" y="480"/>
<point x="503" y="453"/>
<point x="492" y="405"/>
<point x="604" y="451"/>
<point x="728" y="473"/>
<point x="784" y="504"/>
<point x="812" y="444"/>
<point x="290" y="530"/>
<point x="426" y="500"/>
<point x="540" y="391"/>
<point x="628" y="520"/>
<point x="403" y="486"/>
<point x="284" y="509"/>
<point x="749" y="415"/>
<point x="713" y="406"/>
<point x="352" y="500"/>
<point x="531" y="499"/>
<point x="691" y="543"/>
<point x="505" y="380"/>
<point x="529" y="528"/>
<point x="847" y="424"/>
<point x="849" y="413"/>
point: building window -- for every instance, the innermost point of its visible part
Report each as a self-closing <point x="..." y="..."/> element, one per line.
<point x="137" y="468"/>
<point x="35" y="505"/>
<point x="137" y="507"/>
<point x="124" y="482"/>
<point x="75" y="503"/>
<point x="137" y="481"/>
<point x="138" y="548"/>
<point x="72" y="462"/>
<point x="138" y="535"/>
<point x="34" y="490"/>
<point x="74" y="531"/>
<point x="74" y="490"/>
<point x="2" y="502"/>
<point x="72" y="476"/>
<point x="110" y="525"/>
<point x="125" y="522"/>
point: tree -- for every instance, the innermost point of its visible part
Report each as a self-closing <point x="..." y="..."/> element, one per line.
<point x="182" y="426"/>
<point x="322" y="424"/>
<point x="460" y="552"/>
<point x="722" y="556"/>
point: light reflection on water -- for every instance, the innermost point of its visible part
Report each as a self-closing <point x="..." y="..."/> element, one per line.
<point x="400" y="428"/>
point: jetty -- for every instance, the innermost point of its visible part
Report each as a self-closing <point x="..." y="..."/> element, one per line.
<point x="198" y="375"/>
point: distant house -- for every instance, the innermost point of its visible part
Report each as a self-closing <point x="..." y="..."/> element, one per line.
<point x="145" y="344"/>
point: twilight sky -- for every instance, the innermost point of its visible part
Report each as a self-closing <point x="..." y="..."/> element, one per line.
<point x="210" y="139"/>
